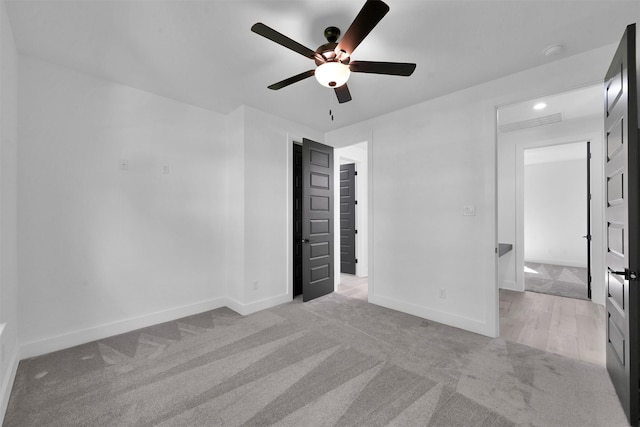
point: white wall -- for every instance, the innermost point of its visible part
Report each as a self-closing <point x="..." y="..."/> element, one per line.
<point x="356" y="154"/>
<point x="426" y="163"/>
<point x="234" y="187"/>
<point x="103" y="250"/>
<point x="9" y="351"/>
<point x="555" y="215"/>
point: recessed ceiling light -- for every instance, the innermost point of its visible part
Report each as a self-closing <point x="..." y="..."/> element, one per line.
<point x="540" y="106"/>
<point x="554" y="50"/>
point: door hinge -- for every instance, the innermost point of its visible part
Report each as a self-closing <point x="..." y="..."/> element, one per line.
<point x="356" y="260"/>
<point x="356" y="231"/>
<point x="355" y="173"/>
<point x="355" y="202"/>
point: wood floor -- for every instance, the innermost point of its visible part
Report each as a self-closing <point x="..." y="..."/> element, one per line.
<point x="353" y="286"/>
<point x="570" y="327"/>
<point x="565" y="326"/>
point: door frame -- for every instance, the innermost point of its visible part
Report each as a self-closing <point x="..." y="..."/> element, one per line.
<point x="362" y="208"/>
<point x="597" y="192"/>
<point x="366" y="244"/>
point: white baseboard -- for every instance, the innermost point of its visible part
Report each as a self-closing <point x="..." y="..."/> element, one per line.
<point x="434" y="315"/>
<point x="59" y="342"/>
<point x="512" y="286"/>
<point x="7" y="384"/>
<point x="563" y="262"/>
<point x="253" y="307"/>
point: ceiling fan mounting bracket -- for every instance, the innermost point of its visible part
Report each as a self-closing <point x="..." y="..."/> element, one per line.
<point x="332" y="34"/>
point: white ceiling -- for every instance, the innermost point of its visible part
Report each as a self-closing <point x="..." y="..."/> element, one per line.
<point x="203" y="52"/>
<point x="573" y="105"/>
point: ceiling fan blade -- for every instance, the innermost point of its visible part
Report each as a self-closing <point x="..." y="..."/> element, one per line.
<point x="283" y="40"/>
<point x="392" y="68"/>
<point x="368" y="17"/>
<point x="343" y="93"/>
<point x="291" y="80"/>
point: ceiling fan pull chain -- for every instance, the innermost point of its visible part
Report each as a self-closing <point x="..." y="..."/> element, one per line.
<point x="331" y="105"/>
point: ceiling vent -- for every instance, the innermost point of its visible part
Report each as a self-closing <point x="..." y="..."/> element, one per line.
<point x="531" y="123"/>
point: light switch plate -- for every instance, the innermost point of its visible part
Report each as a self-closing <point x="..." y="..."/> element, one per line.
<point x="469" y="210"/>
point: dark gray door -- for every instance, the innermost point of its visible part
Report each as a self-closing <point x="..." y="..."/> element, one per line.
<point x="588" y="236"/>
<point x="317" y="220"/>
<point x="348" y="218"/>
<point x="622" y="217"/>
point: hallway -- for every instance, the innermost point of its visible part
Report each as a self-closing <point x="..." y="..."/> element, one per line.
<point x="353" y="286"/>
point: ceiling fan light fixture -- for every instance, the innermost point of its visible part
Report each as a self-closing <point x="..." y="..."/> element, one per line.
<point x="332" y="74"/>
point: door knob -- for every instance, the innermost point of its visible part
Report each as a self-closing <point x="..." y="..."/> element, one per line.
<point x="305" y="240"/>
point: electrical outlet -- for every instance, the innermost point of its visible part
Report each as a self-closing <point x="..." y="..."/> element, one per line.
<point x="443" y="293"/>
<point x="123" y="165"/>
<point x="165" y="169"/>
<point x="255" y="286"/>
<point x="469" y="210"/>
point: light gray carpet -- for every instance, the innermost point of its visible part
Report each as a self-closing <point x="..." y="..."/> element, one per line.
<point x="335" y="361"/>
<point x="560" y="280"/>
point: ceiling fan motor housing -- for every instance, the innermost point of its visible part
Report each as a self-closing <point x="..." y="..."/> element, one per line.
<point x="328" y="50"/>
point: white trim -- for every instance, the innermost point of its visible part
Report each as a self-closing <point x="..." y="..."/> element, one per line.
<point x="445" y="318"/>
<point x="70" y="339"/>
<point x="289" y="216"/>
<point x="510" y="285"/>
<point x="253" y="307"/>
<point x="518" y="245"/>
<point x="370" y="213"/>
<point x="493" y="297"/>
<point x="7" y="384"/>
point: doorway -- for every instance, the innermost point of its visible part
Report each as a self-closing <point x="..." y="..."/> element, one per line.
<point x="353" y="282"/>
<point x="557" y="241"/>
<point x="570" y="117"/>
<point x="297" y="219"/>
<point x="572" y="327"/>
<point x="359" y="284"/>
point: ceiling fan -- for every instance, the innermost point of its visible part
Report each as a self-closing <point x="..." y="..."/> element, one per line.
<point x="333" y="59"/>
